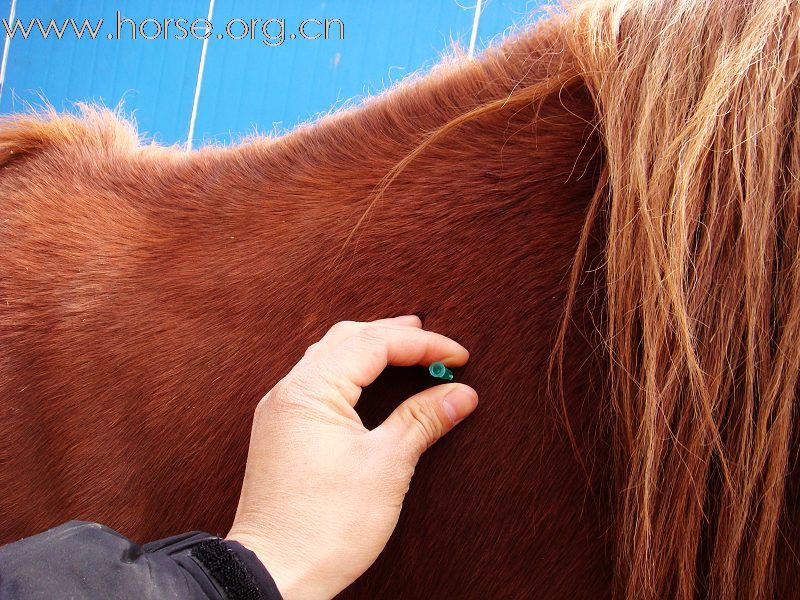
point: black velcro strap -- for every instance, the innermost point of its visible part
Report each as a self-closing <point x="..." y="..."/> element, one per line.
<point x="227" y="570"/>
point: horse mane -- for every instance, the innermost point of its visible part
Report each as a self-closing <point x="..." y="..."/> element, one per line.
<point x="25" y="134"/>
<point x="697" y="108"/>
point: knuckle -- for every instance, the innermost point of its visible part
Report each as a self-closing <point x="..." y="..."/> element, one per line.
<point x="278" y="390"/>
<point x="287" y="394"/>
<point x="274" y="398"/>
<point x="342" y="327"/>
<point x="269" y="405"/>
<point x="262" y="409"/>
<point x="334" y="382"/>
<point x="312" y="349"/>
<point x="299" y="385"/>
<point x="372" y="335"/>
<point x="322" y="384"/>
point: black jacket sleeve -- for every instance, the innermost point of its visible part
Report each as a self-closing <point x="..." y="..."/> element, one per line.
<point x="87" y="560"/>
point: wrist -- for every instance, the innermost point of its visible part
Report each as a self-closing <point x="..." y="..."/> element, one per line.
<point x="290" y="581"/>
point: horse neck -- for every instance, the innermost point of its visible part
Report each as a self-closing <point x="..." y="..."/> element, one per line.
<point x="476" y="235"/>
<point x="300" y="208"/>
<point x="200" y="278"/>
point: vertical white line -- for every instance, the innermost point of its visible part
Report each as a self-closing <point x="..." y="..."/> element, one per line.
<point x="199" y="83"/>
<point x="6" y="46"/>
<point x="474" y="37"/>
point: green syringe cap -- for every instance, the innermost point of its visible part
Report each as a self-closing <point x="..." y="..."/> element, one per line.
<point x="439" y="371"/>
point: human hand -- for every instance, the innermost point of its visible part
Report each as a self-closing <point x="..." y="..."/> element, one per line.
<point x="321" y="493"/>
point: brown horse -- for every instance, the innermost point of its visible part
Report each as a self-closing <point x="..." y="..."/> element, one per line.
<point x="609" y="202"/>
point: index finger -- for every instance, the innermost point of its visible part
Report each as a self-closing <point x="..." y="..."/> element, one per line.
<point x="352" y="363"/>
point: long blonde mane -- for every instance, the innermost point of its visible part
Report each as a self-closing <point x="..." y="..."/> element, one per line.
<point x="697" y="106"/>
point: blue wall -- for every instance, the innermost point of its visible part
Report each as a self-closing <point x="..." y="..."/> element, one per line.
<point x="246" y="85"/>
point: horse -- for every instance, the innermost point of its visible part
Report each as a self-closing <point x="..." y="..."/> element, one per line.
<point x="603" y="208"/>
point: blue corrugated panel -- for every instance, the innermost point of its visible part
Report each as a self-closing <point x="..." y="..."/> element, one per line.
<point x="156" y="78"/>
<point x="499" y="17"/>
<point x="249" y="85"/>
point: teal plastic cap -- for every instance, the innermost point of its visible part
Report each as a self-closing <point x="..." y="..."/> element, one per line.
<point x="439" y="371"/>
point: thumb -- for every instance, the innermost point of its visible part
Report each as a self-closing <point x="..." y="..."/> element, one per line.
<point x="425" y="417"/>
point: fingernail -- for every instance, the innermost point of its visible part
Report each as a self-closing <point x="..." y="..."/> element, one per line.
<point x="456" y="359"/>
<point x="459" y="403"/>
